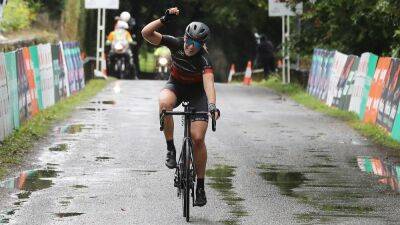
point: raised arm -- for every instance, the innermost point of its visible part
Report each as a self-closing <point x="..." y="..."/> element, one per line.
<point x="149" y="32"/>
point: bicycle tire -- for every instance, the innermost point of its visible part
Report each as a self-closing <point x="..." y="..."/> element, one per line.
<point x="187" y="179"/>
<point x="182" y="178"/>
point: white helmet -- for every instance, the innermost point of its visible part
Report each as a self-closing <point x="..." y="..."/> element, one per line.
<point x="125" y="16"/>
<point x="122" y="25"/>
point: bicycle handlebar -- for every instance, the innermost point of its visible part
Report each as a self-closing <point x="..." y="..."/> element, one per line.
<point x="172" y="113"/>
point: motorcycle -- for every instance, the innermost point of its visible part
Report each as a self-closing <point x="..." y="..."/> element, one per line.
<point x="163" y="64"/>
<point x="120" y="58"/>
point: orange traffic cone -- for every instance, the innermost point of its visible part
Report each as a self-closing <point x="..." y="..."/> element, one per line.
<point x="231" y="72"/>
<point x="247" y="75"/>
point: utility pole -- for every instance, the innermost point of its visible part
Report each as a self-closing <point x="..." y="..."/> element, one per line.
<point x="101" y="6"/>
<point x="279" y="8"/>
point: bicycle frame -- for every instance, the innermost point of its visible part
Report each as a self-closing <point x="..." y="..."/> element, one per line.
<point x="185" y="173"/>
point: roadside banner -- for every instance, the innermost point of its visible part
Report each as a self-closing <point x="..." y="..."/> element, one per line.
<point x="12" y="85"/>
<point x="342" y="80"/>
<point x="327" y="71"/>
<point x="33" y="108"/>
<point x="69" y="80"/>
<point x="33" y="78"/>
<point x="47" y="78"/>
<point x="317" y="71"/>
<point x="348" y="86"/>
<point x="63" y="79"/>
<point x="3" y="98"/>
<point x="56" y="73"/>
<point x="389" y="101"/>
<point x="381" y="72"/>
<point x="33" y="50"/>
<point x="81" y="77"/>
<point x="372" y="63"/>
<point x="23" y="88"/>
<point x="361" y="78"/>
<point x="337" y="67"/>
<point x="313" y="71"/>
<point x="321" y="71"/>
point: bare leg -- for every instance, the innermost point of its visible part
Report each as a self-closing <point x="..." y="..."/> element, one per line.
<point x="167" y="100"/>
<point x="198" y="132"/>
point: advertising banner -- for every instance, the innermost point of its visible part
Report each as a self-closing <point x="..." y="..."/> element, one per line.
<point x="33" y="50"/>
<point x="337" y="67"/>
<point x="345" y="98"/>
<point x="3" y="98"/>
<point x="377" y="85"/>
<point x="389" y="102"/>
<point x="47" y="77"/>
<point x="360" y="79"/>
<point x="33" y="108"/>
<point x="23" y="88"/>
<point x="12" y="85"/>
<point x="342" y="80"/>
<point x="56" y="73"/>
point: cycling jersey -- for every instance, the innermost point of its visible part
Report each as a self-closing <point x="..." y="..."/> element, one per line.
<point x="186" y="69"/>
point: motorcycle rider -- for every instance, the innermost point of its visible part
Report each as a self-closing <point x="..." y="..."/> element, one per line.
<point x="119" y="33"/>
<point x="133" y="29"/>
<point x="163" y="58"/>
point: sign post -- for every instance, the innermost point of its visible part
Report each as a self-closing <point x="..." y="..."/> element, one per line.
<point x="101" y="6"/>
<point x="280" y="8"/>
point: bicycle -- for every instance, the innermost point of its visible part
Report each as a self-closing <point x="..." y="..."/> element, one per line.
<point x="185" y="173"/>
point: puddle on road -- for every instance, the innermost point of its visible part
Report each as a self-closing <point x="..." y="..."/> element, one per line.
<point x="71" y="129"/>
<point x="27" y="182"/>
<point x="321" y="187"/>
<point x="103" y="158"/>
<point x="319" y="166"/>
<point x="64" y="203"/>
<point x="62" y="215"/>
<point x="31" y="180"/>
<point x="59" y="148"/>
<point x="253" y="111"/>
<point x="221" y="181"/>
<point x="78" y="186"/>
<point x="145" y="98"/>
<point x="286" y="181"/>
<point x="387" y="171"/>
<point x="108" y="102"/>
<point x="93" y="109"/>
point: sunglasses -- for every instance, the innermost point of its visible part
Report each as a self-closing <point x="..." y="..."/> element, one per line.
<point x="196" y="44"/>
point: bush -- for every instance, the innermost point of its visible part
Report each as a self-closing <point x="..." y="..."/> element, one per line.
<point x="17" y="15"/>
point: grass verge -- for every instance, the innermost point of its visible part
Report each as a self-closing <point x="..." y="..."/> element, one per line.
<point x="15" y="146"/>
<point x="375" y="133"/>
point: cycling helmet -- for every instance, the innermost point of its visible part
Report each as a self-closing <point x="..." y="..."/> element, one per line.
<point x="198" y="31"/>
<point x="125" y="16"/>
<point x="121" y="25"/>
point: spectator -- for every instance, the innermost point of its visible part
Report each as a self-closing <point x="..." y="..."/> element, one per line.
<point x="265" y="55"/>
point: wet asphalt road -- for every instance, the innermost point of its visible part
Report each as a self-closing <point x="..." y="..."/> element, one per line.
<point x="286" y="165"/>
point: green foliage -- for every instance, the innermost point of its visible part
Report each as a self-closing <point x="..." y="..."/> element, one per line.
<point x="377" y="134"/>
<point x="53" y="7"/>
<point x="18" y="14"/>
<point x="353" y="27"/>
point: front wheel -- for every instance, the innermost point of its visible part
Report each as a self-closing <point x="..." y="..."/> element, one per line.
<point x="188" y="178"/>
